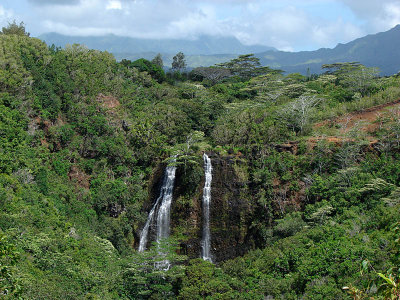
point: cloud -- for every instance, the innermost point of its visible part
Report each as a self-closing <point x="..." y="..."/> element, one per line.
<point x="6" y="16"/>
<point x="54" y="2"/>
<point x="333" y="33"/>
<point x="280" y="27"/>
<point x="379" y="14"/>
<point x="392" y="14"/>
<point x="96" y="17"/>
<point x="114" y="4"/>
<point x="281" y="24"/>
<point x="291" y="28"/>
<point x="285" y="24"/>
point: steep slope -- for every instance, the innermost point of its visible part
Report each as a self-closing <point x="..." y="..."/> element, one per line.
<point x="84" y="142"/>
<point x="376" y="50"/>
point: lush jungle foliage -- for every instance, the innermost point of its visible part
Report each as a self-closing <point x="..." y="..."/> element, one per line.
<point x="80" y="136"/>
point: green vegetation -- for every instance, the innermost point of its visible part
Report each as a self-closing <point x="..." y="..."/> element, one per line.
<point x="82" y="137"/>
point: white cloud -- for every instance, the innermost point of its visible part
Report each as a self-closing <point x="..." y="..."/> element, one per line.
<point x="291" y="28"/>
<point x="285" y="24"/>
<point x="392" y="13"/>
<point x="335" y="32"/>
<point x="114" y="4"/>
<point x="6" y="16"/>
<point x="379" y="15"/>
<point x="279" y="28"/>
<point x="55" y="2"/>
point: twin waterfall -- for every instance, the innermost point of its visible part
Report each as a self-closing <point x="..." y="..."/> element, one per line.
<point x="162" y="209"/>
<point x="206" y="241"/>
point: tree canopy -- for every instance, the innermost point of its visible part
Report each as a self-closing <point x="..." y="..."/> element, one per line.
<point x="157" y="60"/>
<point x="246" y="66"/>
<point x="213" y="74"/>
<point x="179" y="62"/>
<point x="14" y="28"/>
<point x="304" y="193"/>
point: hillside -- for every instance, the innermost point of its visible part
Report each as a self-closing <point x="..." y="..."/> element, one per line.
<point x="376" y="50"/>
<point x="104" y="171"/>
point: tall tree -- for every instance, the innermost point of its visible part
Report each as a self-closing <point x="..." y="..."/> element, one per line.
<point x="297" y="114"/>
<point x="144" y="65"/>
<point x="14" y="28"/>
<point x="247" y="66"/>
<point x="213" y="74"/>
<point x="157" y="60"/>
<point x="353" y="75"/>
<point x="268" y="87"/>
<point x="179" y="62"/>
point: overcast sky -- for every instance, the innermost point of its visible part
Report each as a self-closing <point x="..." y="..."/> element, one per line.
<point x="285" y="24"/>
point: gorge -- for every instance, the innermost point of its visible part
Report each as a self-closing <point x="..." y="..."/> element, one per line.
<point x="288" y="184"/>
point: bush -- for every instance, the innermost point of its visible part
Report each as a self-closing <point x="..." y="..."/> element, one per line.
<point x="289" y="225"/>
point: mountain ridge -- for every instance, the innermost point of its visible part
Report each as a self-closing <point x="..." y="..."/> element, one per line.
<point x="373" y="50"/>
<point x="204" y="45"/>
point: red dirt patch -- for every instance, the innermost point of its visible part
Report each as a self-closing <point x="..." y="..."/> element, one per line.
<point x="109" y="102"/>
<point x="81" y="178"/>
<point x="331" y="139"/>
<point x="367" y="116"/>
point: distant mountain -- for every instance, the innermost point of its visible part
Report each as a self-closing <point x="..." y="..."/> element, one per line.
<point x="204" y="45"/>
<point x="376" y="50"/>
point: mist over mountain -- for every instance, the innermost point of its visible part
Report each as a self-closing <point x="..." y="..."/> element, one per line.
<point x="204" y="45"/>
<point x="376" y="50"/>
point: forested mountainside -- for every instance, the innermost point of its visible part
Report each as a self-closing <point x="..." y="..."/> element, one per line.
<point x="374" y="50"/>
<point x="303" y="179"/>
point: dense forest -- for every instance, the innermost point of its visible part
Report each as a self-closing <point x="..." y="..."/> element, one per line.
<point x="309" y="188"/>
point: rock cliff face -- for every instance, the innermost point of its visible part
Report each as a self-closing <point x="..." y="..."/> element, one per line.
<point x="230" y="210"/>
<point x="155" y="184"/>
<point x="230" y="207"/>
<point x="233" y="205"/>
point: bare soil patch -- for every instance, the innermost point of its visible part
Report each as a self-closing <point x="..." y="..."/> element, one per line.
<point x="365" y="120"/>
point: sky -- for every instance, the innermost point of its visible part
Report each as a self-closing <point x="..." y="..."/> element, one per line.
<point x="284" y="24"/>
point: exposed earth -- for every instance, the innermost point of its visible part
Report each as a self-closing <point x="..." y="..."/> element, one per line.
<point x="367" y="120"/>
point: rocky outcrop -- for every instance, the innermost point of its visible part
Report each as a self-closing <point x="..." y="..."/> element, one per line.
<point x="230" y="211"/>
<point x="230" y="207"/>
<point x="154" y="187"/>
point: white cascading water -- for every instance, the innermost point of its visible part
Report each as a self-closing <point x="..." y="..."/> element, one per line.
<point x="145" y="231"/>
<point x="206" y="241"/>
<point x="163" y="214"/>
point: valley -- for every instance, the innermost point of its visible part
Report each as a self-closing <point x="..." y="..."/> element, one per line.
<point x="240" y="181"/>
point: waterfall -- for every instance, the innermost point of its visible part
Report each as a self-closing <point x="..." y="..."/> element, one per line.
<point x="206" y="241"/>
<point x="145" y="230"/>
<point x="163" y="216"/>
<point x="163" y="213"/>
